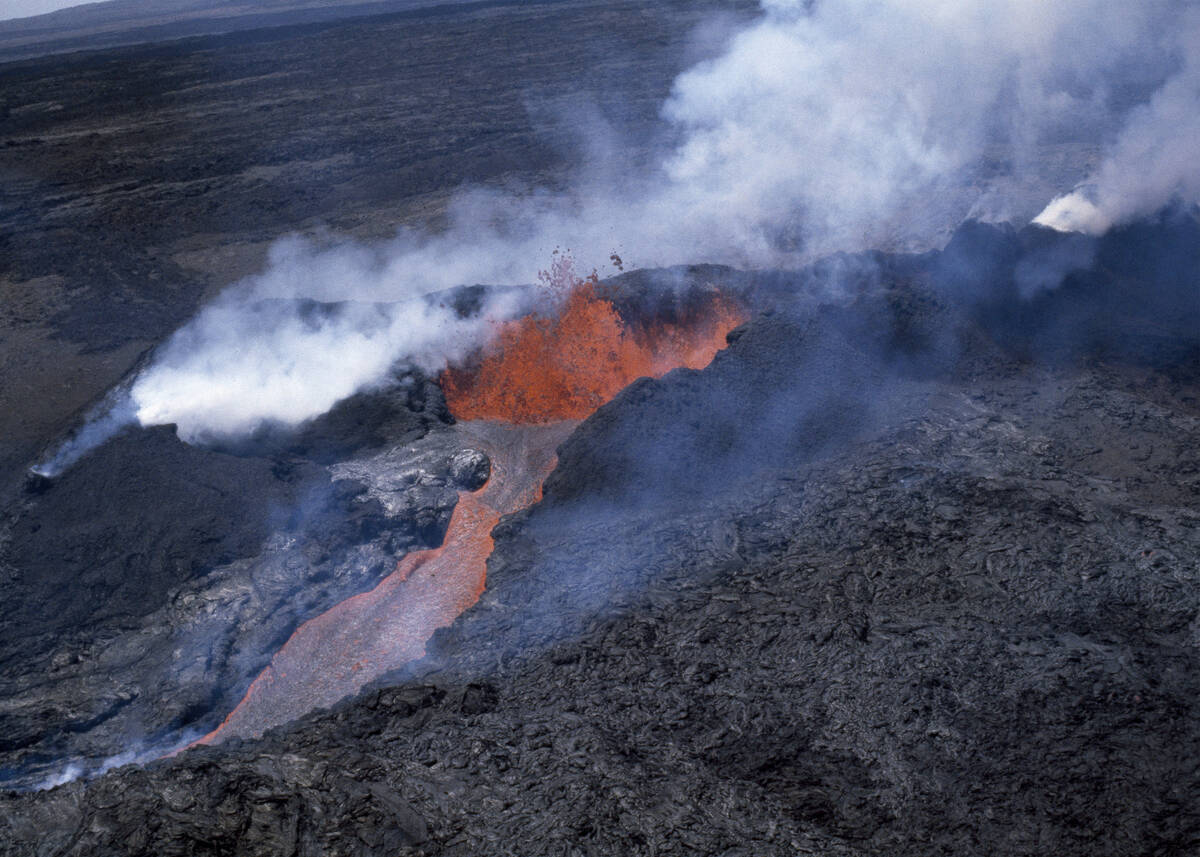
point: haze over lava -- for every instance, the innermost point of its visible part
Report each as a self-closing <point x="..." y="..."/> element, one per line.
<point x="834" y="126"/>
<point x="890" y="541"/>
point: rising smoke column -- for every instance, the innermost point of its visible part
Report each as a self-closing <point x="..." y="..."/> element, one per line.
<point x="856" y="122"/>
<point x="822" y="126"/>
<point x="1155" y="158"/>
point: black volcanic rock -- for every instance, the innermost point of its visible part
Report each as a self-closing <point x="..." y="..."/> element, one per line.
<point x="470" y="469"/>
<point x="793" y="388"/>
<point x="849" y="608"/>
<point x="1131" y="294"/>
<point x="969" y="631"/>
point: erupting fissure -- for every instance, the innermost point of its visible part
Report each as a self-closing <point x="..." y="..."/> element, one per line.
<point x="518" y="401"/>
<point x="566" y="365"/>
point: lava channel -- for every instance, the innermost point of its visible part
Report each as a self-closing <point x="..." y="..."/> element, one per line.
<point x="539" y="378"/>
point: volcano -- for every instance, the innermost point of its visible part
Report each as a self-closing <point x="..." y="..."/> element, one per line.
<point x="849" y="509"/>
<point x="853" y="623"/>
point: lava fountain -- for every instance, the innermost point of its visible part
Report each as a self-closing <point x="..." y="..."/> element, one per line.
<point x="518" y="401"/>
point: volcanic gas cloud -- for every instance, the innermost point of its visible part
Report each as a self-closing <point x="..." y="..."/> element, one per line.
<point x="518" y="401"/>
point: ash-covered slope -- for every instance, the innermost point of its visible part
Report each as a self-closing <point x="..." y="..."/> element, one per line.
<point x="888" y="588"/>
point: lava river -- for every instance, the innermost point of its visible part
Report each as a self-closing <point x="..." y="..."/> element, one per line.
<point x="540" y="377"/>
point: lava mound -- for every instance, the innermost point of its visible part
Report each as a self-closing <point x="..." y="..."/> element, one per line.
<point x="908" y="572"/>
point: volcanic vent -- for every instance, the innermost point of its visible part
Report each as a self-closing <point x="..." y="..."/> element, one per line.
<point x="517" y="400"/>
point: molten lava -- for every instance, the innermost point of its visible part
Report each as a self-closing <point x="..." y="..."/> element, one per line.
<point x="565" y="366"/>
<point x="525" y="394"/>
<point x="365" y="636"/>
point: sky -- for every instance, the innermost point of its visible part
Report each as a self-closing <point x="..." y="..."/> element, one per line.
<point x="25" y="8"/>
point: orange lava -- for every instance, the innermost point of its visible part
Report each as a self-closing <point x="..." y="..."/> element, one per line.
<point x="565" y="366"/>
<point x="336" y="653"/>
<point x="526" y="393"/>
<point x="368" y="634"/>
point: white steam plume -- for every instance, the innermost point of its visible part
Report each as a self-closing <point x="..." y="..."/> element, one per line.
<point x="1156" y="157"/>
<point x="251" y="358"/>
<point x="104" y="421"/>
<point x="823" y="126"/>
<point x="285" y="346"/>
<point x="863" y="121"/>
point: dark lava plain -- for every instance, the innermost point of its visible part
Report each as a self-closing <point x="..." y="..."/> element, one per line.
<point x="911" y="573"/>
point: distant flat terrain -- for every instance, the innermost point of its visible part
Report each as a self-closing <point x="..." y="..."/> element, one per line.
<point x="123" y="22"/>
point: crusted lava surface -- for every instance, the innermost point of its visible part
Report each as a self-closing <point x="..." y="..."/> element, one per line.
<point x="912" y="572"/>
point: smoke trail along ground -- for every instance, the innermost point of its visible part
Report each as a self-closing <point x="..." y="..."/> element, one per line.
<point x="827" y="126"/>
<point x="112" y="415"/>
<point x="276" y="349"/>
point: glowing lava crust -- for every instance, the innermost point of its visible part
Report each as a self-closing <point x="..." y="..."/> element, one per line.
<point x="527" y="392"/>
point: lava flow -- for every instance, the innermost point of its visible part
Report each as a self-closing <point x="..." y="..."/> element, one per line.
<point x="524" y="395"/>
